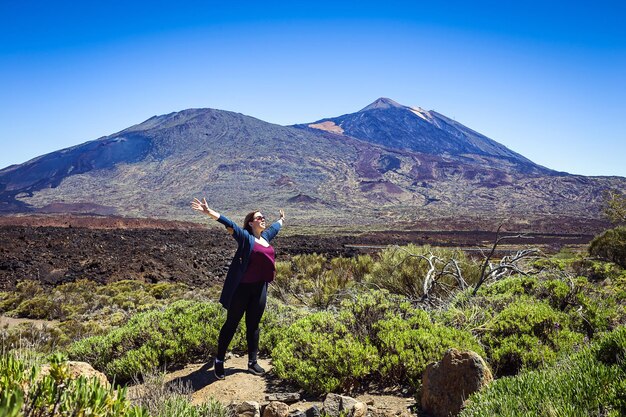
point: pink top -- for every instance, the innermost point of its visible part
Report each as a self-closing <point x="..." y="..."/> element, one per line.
<point x="261" y="266"/>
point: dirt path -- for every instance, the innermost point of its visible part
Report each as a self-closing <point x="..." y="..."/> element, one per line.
<point x="239" y="385"/>
<point x="10" y="322"/>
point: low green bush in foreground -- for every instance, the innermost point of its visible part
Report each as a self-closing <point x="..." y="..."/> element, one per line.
<point x="183" y="331"/>
<point x="374" y="337"/>
<point x="589" y="383"/>
<point x="24" y="392"/>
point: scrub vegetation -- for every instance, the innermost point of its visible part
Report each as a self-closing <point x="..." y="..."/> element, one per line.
<point x="551" y="329"/>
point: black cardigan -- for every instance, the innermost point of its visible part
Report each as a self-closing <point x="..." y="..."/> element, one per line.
<point x="245" y="241"/>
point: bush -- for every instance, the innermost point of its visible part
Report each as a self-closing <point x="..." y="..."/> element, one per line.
<point x="85" y="308"/>
<point x="372" y="337"/>
<point x="24" y="392"/>
<point x="321" y="355"/>
<point x="578" y="386"/>
<point x="527" y="334"/>
<point x="313" y="281"/>
<point x="24" y="290"/>
<point x="611" y="349"/>
<point x="408" y="345"/>
<point x="610" y="245"/>
<point x="596" y="270"/>
<point x="184" y="331"/>
<point x="402" y="270"/>
<point x="274" y="323"/>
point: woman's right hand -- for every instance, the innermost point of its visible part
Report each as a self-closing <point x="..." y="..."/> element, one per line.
<point x="204" y="207"/>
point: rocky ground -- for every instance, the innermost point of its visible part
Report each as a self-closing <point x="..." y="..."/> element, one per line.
<point x="239" y="386"/>
<point x="54" y="250"/>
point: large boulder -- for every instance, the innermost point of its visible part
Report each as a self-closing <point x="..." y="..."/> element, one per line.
<point x="447" y="384"/>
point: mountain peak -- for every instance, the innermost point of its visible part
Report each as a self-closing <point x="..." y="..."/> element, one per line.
<point x="383" y="103"/>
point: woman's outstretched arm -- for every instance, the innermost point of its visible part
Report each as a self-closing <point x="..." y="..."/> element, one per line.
<point x="273" y="230"/>
<point x="237" y="232"/>
<point x="204" y="208"/>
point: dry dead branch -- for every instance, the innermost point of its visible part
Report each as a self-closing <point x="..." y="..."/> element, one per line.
<point x="507" y="265"/>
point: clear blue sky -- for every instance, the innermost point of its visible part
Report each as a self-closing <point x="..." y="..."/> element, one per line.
<point x="545" y="78"/>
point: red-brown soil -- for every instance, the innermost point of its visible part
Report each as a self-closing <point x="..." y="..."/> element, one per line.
<point x="54" y="250"/>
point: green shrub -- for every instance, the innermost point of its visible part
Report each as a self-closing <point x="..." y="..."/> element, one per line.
<point x="402" y="270"/>
<point x="527" y="334"/>
<point x="274" y="323"/>
<point x="597" y="270"/>
<point x="611" y="349"/>
<point x="578" y="386"/>
<point x="408" y="345"/>
<point x="38" y="307"/>
<point x="24" y="290"/>
<point x="81" y="298"/>
<point x="185" y="330"/>
<point x="374" y="336"/>
<point x="313" y="281"/>
<point x="321" y="355"/>
<point x="354" y="269"/>
<point x="363" y="312"/>
<point x="24" y="393"/>
<point x="610" y="245"/>
<point x="84" y="308"/>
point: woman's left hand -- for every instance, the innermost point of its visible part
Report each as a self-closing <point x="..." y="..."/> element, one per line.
<point x="282" y="214"/>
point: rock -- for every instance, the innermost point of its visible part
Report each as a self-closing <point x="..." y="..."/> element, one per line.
<point x="358" y="410"/>
<point x="332" y="405"/>
<point x="335" y="404"/>
<point x="297" y="413"/>
<point x="447" y="384"/>
<point x="77" y="369"/>
<point x="285" y="397"/>
<point x="313" y="412"/>
<point x="347" y="403"/>
<point x="276" y="409"/>
<point x="248" y="409"/>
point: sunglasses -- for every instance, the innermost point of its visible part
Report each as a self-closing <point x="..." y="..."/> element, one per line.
<point x="259" y="218"/>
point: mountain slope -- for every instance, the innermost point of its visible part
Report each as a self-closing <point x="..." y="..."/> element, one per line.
<point x="318" y="174"/>
<point x="390" y="124"/>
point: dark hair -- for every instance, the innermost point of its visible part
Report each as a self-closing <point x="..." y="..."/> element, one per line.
<point x="248" y="219"/>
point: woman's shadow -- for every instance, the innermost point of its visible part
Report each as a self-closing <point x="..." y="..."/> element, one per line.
<point x="205" y="376"/>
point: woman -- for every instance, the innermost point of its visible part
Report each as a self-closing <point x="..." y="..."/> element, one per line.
<point x="245" y="287"/>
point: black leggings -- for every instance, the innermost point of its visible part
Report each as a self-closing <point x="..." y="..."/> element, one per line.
<point x="249" y="299"/>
